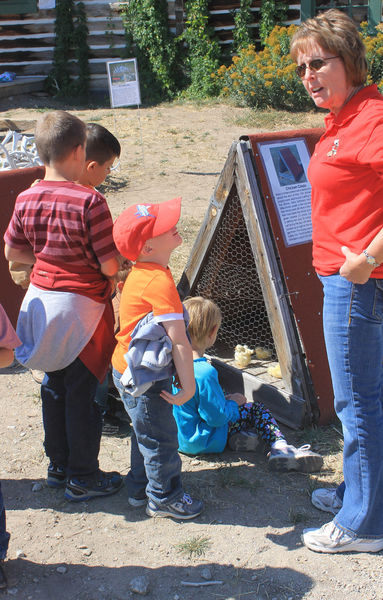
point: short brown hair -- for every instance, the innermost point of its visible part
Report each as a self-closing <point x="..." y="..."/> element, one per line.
<point x="336" y="33"/>
<point x="204" y="315"/>
<point x="57" y="134"/>
<point x="101" y="144"/>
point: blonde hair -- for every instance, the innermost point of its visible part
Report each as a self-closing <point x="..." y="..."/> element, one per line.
<point x="336" y="33"/>
<point x="204" y="315"/>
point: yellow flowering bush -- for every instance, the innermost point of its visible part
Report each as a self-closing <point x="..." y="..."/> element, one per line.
<point x="268" y="79"/>
<point x="374" y="53"/>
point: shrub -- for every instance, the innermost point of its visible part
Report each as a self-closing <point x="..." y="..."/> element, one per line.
<point x="374" y="48"/>
<point x="149" y="40"/>
<point x="267" y="78"/>
<point x="203" y="51"/>
<point x="242" y="21"/>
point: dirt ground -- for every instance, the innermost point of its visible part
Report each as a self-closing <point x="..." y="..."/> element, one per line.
<point x="246" y="544"/>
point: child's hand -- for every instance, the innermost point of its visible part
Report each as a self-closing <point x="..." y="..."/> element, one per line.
<point x="178" y="399"/>
<point x="240" y="399"/>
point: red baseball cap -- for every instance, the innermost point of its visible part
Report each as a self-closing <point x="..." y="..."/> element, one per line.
<point x="141" y="222"/>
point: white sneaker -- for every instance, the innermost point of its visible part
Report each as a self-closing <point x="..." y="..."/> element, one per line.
<point x="330" y="538"/>
<point x="327" y="499"/>
<point x="289" y="458"/>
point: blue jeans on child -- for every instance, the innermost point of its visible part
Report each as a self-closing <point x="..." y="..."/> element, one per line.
<point x="155" y="465"/>
<point x="353" y="328"/>
<point x="4" y="535"/>
<point x="72" y="420"/>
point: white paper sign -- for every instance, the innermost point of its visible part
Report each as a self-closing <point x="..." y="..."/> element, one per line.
<point x="44" y="4"/>
<point x="286" y="165"/>
<point x="124" y="86"/>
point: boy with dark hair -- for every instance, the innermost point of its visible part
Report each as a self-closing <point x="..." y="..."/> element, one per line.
<point x="147" y="234"/>
<point x="101" y="145"/>
<point x="66" y="318"/>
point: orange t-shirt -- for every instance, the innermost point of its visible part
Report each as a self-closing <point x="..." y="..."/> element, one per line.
<point x="148" y="288"/>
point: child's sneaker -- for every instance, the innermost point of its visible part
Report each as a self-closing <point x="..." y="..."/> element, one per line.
<point x="56" y="477"/>
<point x="102" y="484"/>
<point x="289" y="458"/>
<point x="182" y="509"/>
<point x="243" y="441"/>
<point x="327" y="499"/>
<point x="137" y="502"/>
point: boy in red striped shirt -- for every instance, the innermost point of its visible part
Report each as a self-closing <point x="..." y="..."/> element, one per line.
<point x="66" y="319"/>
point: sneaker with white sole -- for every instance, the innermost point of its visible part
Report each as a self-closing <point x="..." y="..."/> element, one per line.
<point x="56" y="477"/>
<point x="331" y="539"/>
<point x="327" y="499"/>
<point x="243" y="441"/>
<point x="182" y="509"/>
<point x="289" y="458"/>
<point x="101" y="484"/>
<point x="137" y="502"/>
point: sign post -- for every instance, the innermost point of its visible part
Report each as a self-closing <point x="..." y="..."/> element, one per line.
<point x="124" y="88"/>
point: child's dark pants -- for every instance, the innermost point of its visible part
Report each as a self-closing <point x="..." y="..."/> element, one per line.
<point x="72" y="420"/>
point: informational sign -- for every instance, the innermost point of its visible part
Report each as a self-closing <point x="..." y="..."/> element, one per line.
<point x="124" y="86"/>
<point x="285" y="164"/>
<point x="45" y="4"/>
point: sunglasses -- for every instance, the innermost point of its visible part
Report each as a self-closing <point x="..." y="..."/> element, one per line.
<point x="115" y="165"/>
<point x="314" y="65"/>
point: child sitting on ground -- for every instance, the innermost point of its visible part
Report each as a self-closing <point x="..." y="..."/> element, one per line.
<point x="210" y="420"/>
<point x="147" y="234"/>
<point x="66" y="318"/>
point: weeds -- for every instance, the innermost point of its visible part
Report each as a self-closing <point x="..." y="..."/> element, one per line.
<point x="194" y="546"/>
<point x="229" y="477"/>
<point x="297" y="515"/>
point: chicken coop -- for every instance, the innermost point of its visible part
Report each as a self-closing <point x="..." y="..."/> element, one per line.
<point x="252" y="256"/>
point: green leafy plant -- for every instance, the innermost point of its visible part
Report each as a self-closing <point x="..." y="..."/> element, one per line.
<point x="203" y="51"/>
<point x="195" y="546"/>
<point x="149" y="40"/>
<point x="242" y="21"/>
<point x="71" y="34"/>
<point x="273" y="12"/>
<point x="59" y="80"/>
<point x="80" y="36"/>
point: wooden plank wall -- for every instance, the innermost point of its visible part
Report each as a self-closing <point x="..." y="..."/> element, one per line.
<point x="222" y="18"/>
<point x="27" y="40"/>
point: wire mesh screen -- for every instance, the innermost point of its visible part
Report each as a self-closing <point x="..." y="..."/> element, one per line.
<point x="229" y="277"/>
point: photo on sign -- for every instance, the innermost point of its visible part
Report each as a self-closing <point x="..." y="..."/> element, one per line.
<point x="124" y="72"/>
<point x="288" y="165"/>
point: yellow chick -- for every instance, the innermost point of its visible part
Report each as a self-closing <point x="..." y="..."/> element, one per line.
<point x="275" y="371"/>
<point x="262" y="353"/>
<point x="242" y="355"/>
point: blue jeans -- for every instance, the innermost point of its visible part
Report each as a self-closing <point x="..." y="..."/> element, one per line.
<point x="72" y="419"/>
<point x="353" y="329"/>
<point x="4" y="535"/>
<point x="155" y="465"/>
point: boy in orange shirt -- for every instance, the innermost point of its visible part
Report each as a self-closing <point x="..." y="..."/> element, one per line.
<point x="147" y="234"/>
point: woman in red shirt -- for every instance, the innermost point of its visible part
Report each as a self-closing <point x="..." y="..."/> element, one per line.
<point x="346" y="175"/>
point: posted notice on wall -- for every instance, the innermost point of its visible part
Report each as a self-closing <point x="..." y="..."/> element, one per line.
<point x="124" y="85"/>
<point x="285" y="164"/>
